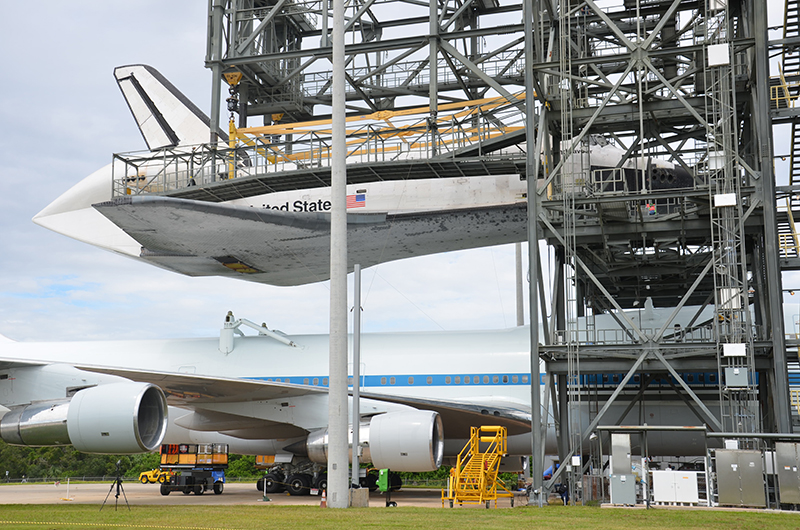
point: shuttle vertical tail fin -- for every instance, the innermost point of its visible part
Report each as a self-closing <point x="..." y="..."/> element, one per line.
<point x="165" y="117"/>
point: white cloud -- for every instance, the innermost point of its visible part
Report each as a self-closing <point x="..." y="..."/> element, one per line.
<point x="63" y="117"/>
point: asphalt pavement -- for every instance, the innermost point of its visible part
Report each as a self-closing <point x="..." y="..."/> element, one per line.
<point x="234" y="493"/>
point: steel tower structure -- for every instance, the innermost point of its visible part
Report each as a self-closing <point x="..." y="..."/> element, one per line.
<point x="683" y="82"/>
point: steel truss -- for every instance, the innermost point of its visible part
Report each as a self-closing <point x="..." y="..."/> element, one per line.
<point x="686" y="82"/>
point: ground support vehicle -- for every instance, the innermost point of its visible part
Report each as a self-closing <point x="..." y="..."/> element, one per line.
<point x="196" y="468"/>
<point x="155" y="475"/>
<point x="303" y="477"/>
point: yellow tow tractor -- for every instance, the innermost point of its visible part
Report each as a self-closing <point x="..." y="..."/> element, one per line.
<point x="155" y="475"/>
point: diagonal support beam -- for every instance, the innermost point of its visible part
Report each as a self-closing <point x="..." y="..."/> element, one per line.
<point x="642" y="337"/>
<point x="714" y="421"/>
<point x="596" y="421"/>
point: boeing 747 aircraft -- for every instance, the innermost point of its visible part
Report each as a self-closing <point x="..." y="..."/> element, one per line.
<point x="267" y="394"/>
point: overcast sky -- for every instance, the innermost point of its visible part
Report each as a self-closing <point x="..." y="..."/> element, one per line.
<point x="63" y="116"/>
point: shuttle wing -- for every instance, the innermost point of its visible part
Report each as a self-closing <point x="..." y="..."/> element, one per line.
<point x="199" y="238"/>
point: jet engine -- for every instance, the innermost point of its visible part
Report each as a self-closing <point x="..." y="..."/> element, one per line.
<point x="401" y="441"/>
<point x="117" y="418"/>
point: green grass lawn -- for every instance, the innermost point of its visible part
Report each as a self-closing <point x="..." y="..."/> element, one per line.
<point x="280" y="517"/>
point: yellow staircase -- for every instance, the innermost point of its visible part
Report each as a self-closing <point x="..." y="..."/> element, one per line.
<point x="473" y="480"/>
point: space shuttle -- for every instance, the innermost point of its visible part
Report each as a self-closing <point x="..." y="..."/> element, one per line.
<point x="283" y="237"/>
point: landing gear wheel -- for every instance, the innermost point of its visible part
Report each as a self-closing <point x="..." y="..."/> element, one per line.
<point x="298" y="484"/>
<point x="164" y="489"/>
<point x="144" y="480"/>
<point x="260" y="484"/>
<point x="273" y="483"/>
<point x="321" y="483"/>
<point x="218" y="487"/>
<point x="391" y="504"/>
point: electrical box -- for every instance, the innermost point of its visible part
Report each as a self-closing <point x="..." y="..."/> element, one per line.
<point x="736" y="377"/>
<point x="675" y="486"/>
<point x="620" y="453"/>
<point x="623" y="489"/>
<point x="787" y="460"/>
<point x="740" y="478"/>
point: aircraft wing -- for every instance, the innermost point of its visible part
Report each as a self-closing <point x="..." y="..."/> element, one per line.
<point x="16" y="363"/>
<point x="197" y="392"/>
<point x="459" y="416"/>
<point x="183" y="389"/>
<point x="199" y="238"/>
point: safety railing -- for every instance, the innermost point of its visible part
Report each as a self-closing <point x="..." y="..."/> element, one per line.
<point x="380" y="137"/>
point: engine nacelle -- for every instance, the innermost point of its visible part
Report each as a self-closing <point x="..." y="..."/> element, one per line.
<point x="401" y="441"/>
<point x="117" y="418"/>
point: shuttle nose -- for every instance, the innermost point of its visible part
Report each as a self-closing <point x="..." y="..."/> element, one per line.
<point x="72" y="215"/>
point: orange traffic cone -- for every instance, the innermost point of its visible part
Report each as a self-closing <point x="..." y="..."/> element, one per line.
<point x="324" y="502"/>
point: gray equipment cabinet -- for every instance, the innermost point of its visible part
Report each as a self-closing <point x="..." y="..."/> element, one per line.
<point x="787" y="460"/>
<point x="740" y="478"/>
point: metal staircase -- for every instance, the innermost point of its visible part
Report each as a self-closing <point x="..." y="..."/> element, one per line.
<point x="784" y="92"/>
<point x="473" y="480"/>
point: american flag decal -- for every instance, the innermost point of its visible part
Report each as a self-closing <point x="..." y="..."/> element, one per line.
<point x="358" y="200"/>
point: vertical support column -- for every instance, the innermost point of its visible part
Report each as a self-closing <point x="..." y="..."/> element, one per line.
<point x="355" y="480"/>
<point x="214" y="58"/>
<point x="531" y="170"/>
<point x="433" y="88"/>
<point x="520" y="280"/>
<point x="337" y="393"/>
<point x="782" y="410"/>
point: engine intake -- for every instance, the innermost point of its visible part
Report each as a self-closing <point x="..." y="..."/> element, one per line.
<point x="117" y="418"/>
<point x="401" y="441"/>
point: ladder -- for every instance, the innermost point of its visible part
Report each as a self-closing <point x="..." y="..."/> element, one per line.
<point x="474" y="480"/>
<point x="735" y="357"/>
